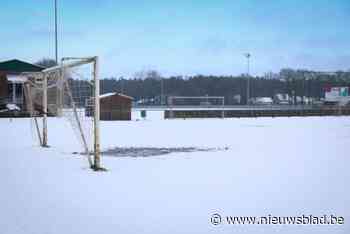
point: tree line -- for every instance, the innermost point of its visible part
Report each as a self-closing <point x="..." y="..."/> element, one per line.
<point x="152" y="88"/>
<point x="287" y="81"/>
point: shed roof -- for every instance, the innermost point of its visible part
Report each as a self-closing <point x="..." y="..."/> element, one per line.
<point x="107" y="95"/>
<point x="18" y="66"/>
<point x="112" y="94"/>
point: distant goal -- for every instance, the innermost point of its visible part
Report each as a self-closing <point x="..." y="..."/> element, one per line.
<point x="195" y="107"/>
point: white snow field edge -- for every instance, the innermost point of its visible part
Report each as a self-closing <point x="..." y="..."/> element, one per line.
<point x="277" y="166"/>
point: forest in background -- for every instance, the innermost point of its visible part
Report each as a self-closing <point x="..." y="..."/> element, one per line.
<point x="288" y="81"/>
<point x="152" y="88"/>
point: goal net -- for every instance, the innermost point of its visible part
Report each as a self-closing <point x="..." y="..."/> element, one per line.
<point x="71" y="91"/>
<point x="199" y="106"/>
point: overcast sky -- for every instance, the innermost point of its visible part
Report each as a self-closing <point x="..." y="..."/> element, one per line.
<point x="182" y="37"/>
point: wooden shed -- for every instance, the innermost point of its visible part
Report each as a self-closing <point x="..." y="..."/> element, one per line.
<point x="115" y="106"/>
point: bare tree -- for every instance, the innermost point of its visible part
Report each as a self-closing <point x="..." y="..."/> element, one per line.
<point x="144" y="74"/>
<point x="46" y="62"/>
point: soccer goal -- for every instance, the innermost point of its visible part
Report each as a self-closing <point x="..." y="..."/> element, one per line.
<point x="71" y="91"/>
<point x="196" y="106"/>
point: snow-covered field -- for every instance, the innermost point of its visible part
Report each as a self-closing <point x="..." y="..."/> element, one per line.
<point x="274" y="166"/>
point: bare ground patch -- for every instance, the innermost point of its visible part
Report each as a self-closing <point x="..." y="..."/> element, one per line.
<point x="153" y="151"/>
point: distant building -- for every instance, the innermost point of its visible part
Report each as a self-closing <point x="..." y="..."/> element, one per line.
<point x="12" y="83"/>
<point x="337" y="95"/>
<point x="114" y="106"/>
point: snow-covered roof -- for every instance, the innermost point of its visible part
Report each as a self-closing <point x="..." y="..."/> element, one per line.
<point x="16" y="78"/>
<point x="111" y="94"/>
<point x="126" y="96"/>
<point x="107" y="95"/>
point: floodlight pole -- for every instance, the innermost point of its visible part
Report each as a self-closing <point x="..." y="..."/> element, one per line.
<point x="56" y="40"/>
<point x="247" y="55"/>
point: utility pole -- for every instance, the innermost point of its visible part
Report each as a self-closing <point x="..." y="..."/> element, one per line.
<point x="247" y="55"/>
<point x="56" y="40"/>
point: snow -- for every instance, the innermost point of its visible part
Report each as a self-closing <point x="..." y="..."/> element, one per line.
<point x="277" y="166"/>
<point x="16" y="78"/>
<point x="12" y="107"/>
<point x="111" y="94"/>
<point x="264" y="100"/>
<point x="107" y="95"/>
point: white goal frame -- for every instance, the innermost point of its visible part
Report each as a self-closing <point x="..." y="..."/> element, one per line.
<point x="66" y="64"/>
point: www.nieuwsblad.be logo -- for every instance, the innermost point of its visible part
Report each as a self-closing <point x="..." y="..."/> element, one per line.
<point x="216" y="219"/>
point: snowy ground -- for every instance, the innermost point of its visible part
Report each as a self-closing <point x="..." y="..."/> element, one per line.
<point x="277" y="166"/>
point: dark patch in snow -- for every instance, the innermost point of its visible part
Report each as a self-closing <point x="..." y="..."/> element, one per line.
<point x="153" y="151"/>
<point x="256" y="126"/>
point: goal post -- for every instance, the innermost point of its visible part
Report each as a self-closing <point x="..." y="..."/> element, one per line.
<point x="97" y="158"/>
<point x="45" y="110"/>
<point x="68" y="90"/>
<point x="196" y="103"/>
